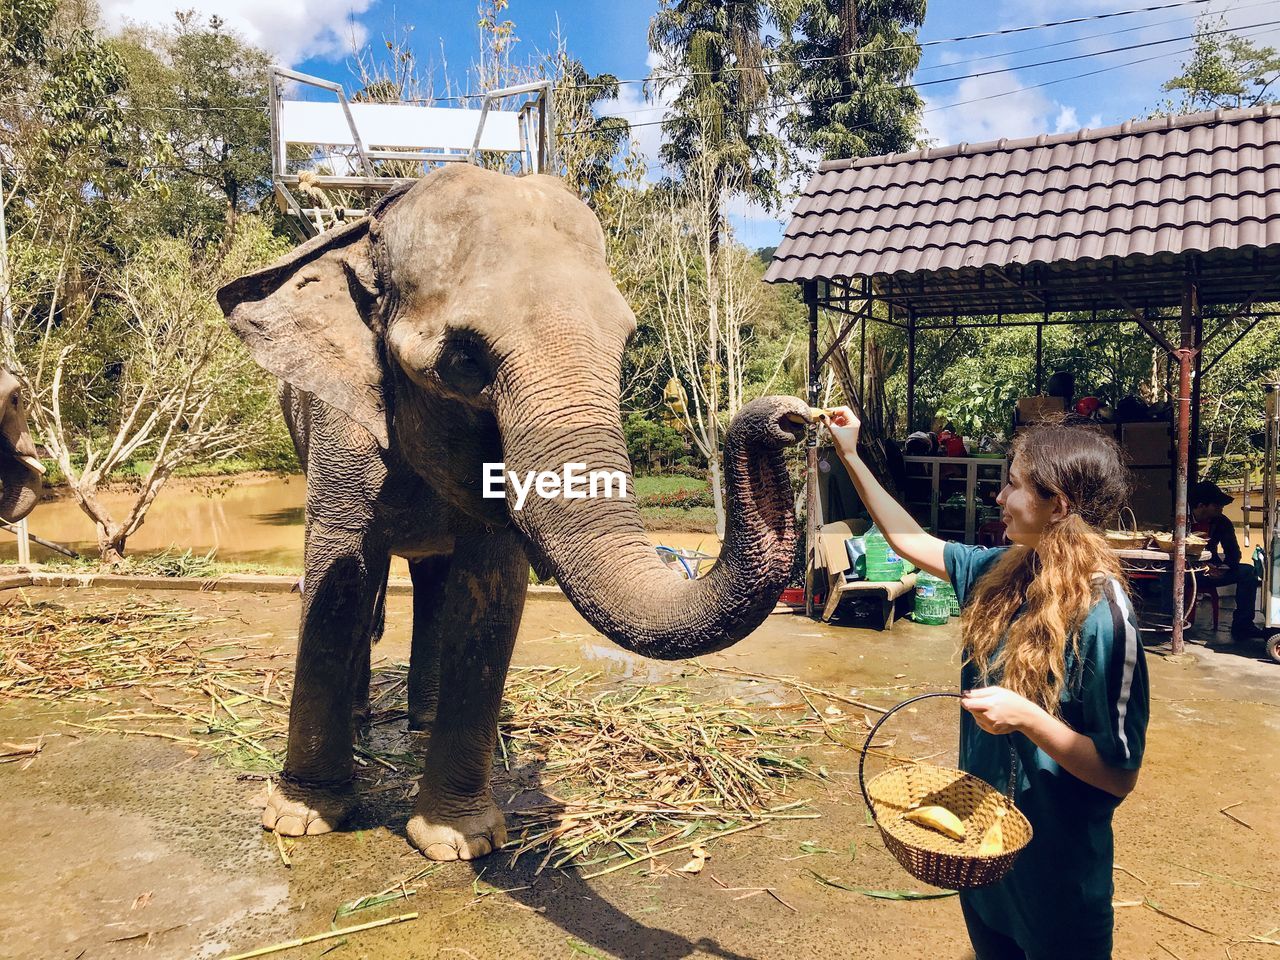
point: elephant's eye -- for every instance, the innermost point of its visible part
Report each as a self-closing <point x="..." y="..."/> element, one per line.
<point x="463" y="366"/>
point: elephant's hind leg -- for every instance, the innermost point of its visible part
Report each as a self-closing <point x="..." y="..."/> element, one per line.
<point x="361" y="675"/>
<point x="429" y="578"/>
<point x="344" y="572"/>
<point x="456" y="817"/>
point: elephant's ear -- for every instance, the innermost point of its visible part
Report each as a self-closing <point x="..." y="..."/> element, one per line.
<point x="302" y="319"/>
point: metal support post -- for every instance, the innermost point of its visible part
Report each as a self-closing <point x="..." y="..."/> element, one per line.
<point x="1185" y="354"/>
<point x="810" y="544"/>
<point x="1040" y="356"/>
<point x="1197" y="374"/>
<point x="811" y="453"/>
<point x="862" y="365"/>
<point x="911" y="374"/>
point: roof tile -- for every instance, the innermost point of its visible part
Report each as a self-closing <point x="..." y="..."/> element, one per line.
<point x="1150" y="188"/>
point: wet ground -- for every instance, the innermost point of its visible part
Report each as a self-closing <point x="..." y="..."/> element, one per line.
<point x="117" y="847"/>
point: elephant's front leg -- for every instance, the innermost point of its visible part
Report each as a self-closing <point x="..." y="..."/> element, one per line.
<point x="345" y="569"/>
<point x="456" y="817"/>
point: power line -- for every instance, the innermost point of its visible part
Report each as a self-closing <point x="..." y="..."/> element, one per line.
<point x="868" y="53"/>
<point x="947" y="106"/>
<point x="662" y="78"/>
<point x="925" y="83"/>
<point x="1082" y="39"/>
<point x="984" y="73"/>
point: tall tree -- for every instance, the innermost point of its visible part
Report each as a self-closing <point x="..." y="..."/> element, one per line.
<point x="713" y="56"/>
<point x="848" y="69"/>
<point x="202" y="91"/>
<point x="1225" y="71"/>
<point x="588" y="147"/>
<point x="717" y="138"/>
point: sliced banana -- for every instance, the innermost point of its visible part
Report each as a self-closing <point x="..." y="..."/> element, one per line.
<point x="992" y="840"/>
<point x="937" y="818"/>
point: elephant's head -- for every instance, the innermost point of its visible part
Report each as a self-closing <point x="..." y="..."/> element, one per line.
<point x="20" y="470"/>
<point x="472" y="319"/>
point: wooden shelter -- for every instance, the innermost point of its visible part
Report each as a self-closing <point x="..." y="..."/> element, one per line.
<point x="1171" y="224"/>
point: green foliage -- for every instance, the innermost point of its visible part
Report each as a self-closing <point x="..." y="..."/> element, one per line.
<point x="849" y="67"/>
<point x="1225" y="71"/>
<point x="982" y="380"/>
<point x="653" y="445"/>
<point x="660" y="484"/>
<point x="587" y="146"/>
<point x="718" y="108"/>
<point x="1232" y="405"/>
<point x="23" y="26"/>
<point x="199" y="94"/>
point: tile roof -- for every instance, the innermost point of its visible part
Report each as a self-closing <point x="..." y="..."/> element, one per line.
<point x="1173" y="185"/>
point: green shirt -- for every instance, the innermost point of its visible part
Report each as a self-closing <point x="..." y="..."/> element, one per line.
<point x="1056" y="901"/>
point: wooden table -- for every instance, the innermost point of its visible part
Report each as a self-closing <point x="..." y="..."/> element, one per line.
<point x="1156" y="564"/>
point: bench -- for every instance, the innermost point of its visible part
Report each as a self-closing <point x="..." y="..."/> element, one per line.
<point x="348" y="141"/>
<point x="834" y="560"/>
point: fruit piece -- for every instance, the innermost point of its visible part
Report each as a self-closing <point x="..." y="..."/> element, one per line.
<point x="992" y="840"/>
<point x="938" y="818"/>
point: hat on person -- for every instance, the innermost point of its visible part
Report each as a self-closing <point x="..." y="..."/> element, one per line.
<point x="1207" y="491"/>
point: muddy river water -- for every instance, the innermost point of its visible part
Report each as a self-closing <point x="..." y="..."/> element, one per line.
<point x="255" y="519"/>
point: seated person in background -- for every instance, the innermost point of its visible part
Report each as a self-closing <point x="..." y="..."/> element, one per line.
<point x="1206" y="500"/>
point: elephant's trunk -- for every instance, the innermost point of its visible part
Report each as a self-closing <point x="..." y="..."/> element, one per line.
<point x="22" y="485"/>
<point x="20" y="471"/>
<point x="597" y="548"/>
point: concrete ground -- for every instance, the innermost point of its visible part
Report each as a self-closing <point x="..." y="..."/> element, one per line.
<point x="119" y="847"/>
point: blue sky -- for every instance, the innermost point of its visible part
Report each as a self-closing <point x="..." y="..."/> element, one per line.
<point x="316" y="36"/>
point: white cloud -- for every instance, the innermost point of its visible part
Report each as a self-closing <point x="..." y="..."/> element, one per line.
<point x="291" y="31"/>
<point x="1013" y="110"/>
<point x="1068" y="121"/>
<point x="645" y="116"/>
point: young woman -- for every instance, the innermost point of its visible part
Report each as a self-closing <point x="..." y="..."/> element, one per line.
<point x="1052" y="660"/>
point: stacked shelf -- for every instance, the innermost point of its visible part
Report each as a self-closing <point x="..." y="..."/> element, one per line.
<point x="954" y="496"/>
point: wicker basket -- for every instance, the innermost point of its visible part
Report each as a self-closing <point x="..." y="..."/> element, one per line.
<point x="926" y="854"/>
<point x="1195" y="544"/>
<point x="1127" y="537"/>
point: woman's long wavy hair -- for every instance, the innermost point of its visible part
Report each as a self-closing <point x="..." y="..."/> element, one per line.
<point x="1059" y="580"/>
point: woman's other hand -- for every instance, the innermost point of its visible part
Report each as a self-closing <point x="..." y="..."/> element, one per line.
<point x="844" y="427"/>
<point x="997" y="710"/>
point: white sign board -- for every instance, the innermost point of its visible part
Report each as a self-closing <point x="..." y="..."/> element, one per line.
<point x="397" y="126"/>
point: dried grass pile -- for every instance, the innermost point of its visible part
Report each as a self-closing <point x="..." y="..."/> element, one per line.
<point x="627" y="772"/>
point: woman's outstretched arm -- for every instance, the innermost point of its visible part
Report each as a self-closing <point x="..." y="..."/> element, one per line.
<point x="907" y="537"/>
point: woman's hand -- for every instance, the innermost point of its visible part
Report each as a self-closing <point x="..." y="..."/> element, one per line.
<point x="997" y="710"/>
<point x="844" y="427"/>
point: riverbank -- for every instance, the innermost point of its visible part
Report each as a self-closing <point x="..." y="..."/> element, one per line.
<point x="253" y="522"/>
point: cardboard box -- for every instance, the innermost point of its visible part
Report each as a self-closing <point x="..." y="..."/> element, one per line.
<point x="830" y="547"/>
<point x="1031" y="409"/>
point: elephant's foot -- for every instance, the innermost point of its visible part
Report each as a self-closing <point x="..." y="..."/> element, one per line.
<point x="463" y="836"/>
<point x="295" y="810"/>
<point x="422" y="720"/>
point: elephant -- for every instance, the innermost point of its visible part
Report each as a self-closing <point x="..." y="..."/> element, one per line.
<point x="21" y="473"/>
<point x="470" y="319"/>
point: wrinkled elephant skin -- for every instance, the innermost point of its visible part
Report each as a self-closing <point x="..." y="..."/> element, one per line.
<point x="471" y="319"/>
<point x="20" y="470"/>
